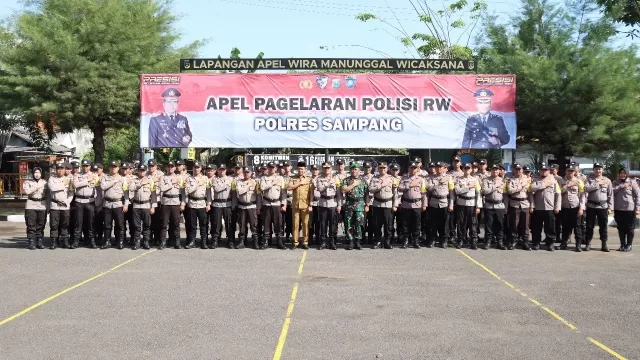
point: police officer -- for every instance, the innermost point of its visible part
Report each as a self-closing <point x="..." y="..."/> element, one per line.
<point x="518" y="207"/>
<point x="583" y="218"/>
<point x="441" y="198"/>
<point x="493" y="189"/>
<point x="274" y="204"/>
<point x="127" y="174"/>
<point x="156" y="217"/>
<point x="224" y="202"/>
<point x="71" y="227"/>
<point x="35" y="213"/>
<point x="626" y="207"/>
<point x="394" y="170"/>
<point x="413" y="202"/>
<point x="554" y="168"/>
<point x="172" y="193"/>
<point x="485" y="130"/>
<point x="198" y="194"/>
<point x="169" y="129"/>
<point x="115" y="190"/>
<point x="238" y="175"/>
<point x="249" y="201"/>
<point x="260" y="227"/>
<point x="144" y="198"/>
<point x="98" y="214"/>
<point x="367" y="176"/>
<point x="286" y="224"/>
<point x="184" y="176"/>
<point x="61" y="193"/>
<point x="329" y="205"/>
<point x="300" y="186"/>
<point x="573" y="207"/>
<point x="384" y="190"/>
<point x="546" y="201"/>
<point x="599" y="191"/>
<point x="85" y="189"/>
<point x="314" y="223"/>
<point x="341" y="174"/>
<point x="468" y="201"/>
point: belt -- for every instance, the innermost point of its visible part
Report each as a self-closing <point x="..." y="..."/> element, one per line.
<point x="315" y="198"/>
<point x="221" y="201"/>
<point x="493" y="201"/>
<point x="113" y="199"/>
<point x="411" y="201"/>
<point x="466" y="197"/>
<point x="171" y="196"/>
<point x="246" y="203"/>
<point x="328" y="197"/>
<point x="84" y="197"/>
<point x="35" y="199"/>
<point x="439" y="197"/>
<point x="196" y="198"/>
<point x="383" y="200"/>
<point x="599" y="203"/>
<point x="141" y="202"/>
<point x="517" y="198"/>
<point x="271" y="200"/>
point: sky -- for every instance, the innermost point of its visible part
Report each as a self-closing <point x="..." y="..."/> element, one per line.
<point x="296" y="28"/>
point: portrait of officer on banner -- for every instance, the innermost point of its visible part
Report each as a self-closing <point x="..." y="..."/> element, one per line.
<point x="169" y="129"/>
<point x="485" y="130"/>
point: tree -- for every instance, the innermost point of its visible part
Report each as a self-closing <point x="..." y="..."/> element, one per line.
<point x="626" y="12"/>
<point x="447" y="34"/>
<point x="575" y="94"/>
<point x="72" y="60"/>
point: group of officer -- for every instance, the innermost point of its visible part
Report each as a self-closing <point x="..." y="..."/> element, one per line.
<point x="442" y="204"/>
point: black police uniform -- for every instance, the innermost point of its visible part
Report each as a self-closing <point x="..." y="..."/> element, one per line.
<point x="476" y="133"/>
<point x="169" y="130"/>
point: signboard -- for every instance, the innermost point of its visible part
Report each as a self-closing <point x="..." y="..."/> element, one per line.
<point x="23" y="168"/>
<point x="328" y="64"/>
<point x="328" y="111"/>
<point x="254" y="160"/>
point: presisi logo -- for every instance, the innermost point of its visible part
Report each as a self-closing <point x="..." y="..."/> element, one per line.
<point x="494" y="80"/>
<point x="160" y="80"/>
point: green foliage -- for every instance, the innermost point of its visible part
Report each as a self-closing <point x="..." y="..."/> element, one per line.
<point x="575" y="95"/>
<point x="623" y="11"/>
<point x="121" y="145"/>
<point x="81" y="60"/>
<point x="438" y="39"/>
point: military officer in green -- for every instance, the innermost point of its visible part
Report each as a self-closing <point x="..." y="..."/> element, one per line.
<point x="356" y="200"/>
<point x="169" y="129"/>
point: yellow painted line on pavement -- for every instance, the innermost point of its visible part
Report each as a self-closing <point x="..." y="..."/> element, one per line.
<point x="544" y="308"/>
<point x="287" y="319"/>
<point x="52" y="297"/>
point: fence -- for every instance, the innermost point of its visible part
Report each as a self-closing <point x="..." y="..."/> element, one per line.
<point x="10" y="185"/>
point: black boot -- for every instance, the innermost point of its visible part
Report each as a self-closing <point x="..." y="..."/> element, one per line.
<point x="120" y="244"/>
<point x="264" y="244"/>
<point x="563" y="244"/>
<point x="487" y="243"/>
<point x="74" y="244"/>
<point x="136" y="244"/>
<point x="578" y="244"/>
<point x="458" y="244"/>
<point x="32" y="244"/>
<point x="332" y="245"/>
<point x="39" y="244"/>
<point x="145" y="244"/>
<point x="587" y="245"/>
<point x="629" y="241"/>
<point x="604" y="247"/>
<point x="405" y="242"/>
<point x="536" y="245"/>
<point x="239" y="244"/>
<point x="358" y="246"/>
<point x="550" y="246"/>
<point x="444" y="243"/>
<point x="525" y="244"/>
<point x="387" y="244"/>
<point x="163" y="243"/>
<point x="107" y="243"/>
<point x="65" y="242"/>
<point x="501" y="245"/>
<point x="280" y="243"/>
<point x="323" y="245"/>
<point x="349" y="245"/>
<point x="191" y="243"/>
<point x="204" y="243"/>
<point x="416" y="243"/>
<point x="430" y="243"/>
<point x="474" y="244"/>
<point x="214" y="244"/>
<point x="376" y="245"/>
<point x="92" y="243"/>
<point x="54" y="244"/>
<point x="623" y="240"/>
<point x="230" y="243"/>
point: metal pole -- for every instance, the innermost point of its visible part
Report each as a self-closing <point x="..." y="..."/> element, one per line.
<point x="326" y="155"/>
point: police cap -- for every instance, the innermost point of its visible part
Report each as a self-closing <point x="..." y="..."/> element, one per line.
<point x="171" y="164"/>
<point x="222" y="167"/>
<point x="314" y="167"/>
<point x="417" y="159"/>
<point x="483" y="162"/>
<point x="432" y="164"/>
<point x="526" y="168"/>
<point x="394" y="166"/>
<point x="60" y="165"/>
<point x="94" y="167"/>
<point x="555" y="166"/>
<point x="246" y="169"/>
<point x="467" y="166"/>
<point x="517" y="166"/>
<point x="440" y="164"/>
<point x="571" y="168"/>
<point x="171" y="92"/>
<point x="543" y="166"/>
<point x="210" y="167"/>
<point x="179" y="162"/>
<point x="495" y="166"/>
<point x="366" y="164"/>
<point x="354" y="165"/>
<point x="501" y="166"/>
<point x="382" y="164"/>
<point x="151" y="162"/>
<point x="263" y="166"/>
<point x="142" y="167"/>
<point x="86" y="163"/>
<point x="196" y="164"/>
<point x="125" y="165"/>
<point x="456" y="158"/>
<point x="301" y="164"/>
<point x="326" y="165"/>
<point x="413" y="164"/>
<point x="483" y="95"/>
<point x="474" y="164"/>
<point x="75" y="164"/>
<point x="573" y="163"/>
<point x="340" y="162"/>
<point x="598" y="165"/>
<point x="271" y="164"/>
<point x="114" y="163"/>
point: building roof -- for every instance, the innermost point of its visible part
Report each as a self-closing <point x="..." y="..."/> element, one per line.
<point x="23" y="134"/>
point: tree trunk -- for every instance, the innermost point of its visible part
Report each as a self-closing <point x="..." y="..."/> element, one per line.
<point x="98" y="130"/>
<point x="561" y="158"/>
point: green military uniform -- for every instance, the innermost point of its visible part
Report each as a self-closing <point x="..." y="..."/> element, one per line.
<point x="353" y="210"/>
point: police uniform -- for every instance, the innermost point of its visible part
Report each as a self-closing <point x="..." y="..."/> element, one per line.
<point x="85" y="189"/>
<point x="115" y="189"/>
<point x="156" y="217"/>
<point x="172" y="197"/>
<point x="98" y="214"/>
<point x="198" y="194"/>
<point x="274" y="197"/>
<point x="396" y="222"/>
<point x="482" y="128"/>
<point x="302" y="198"/>
<point x="238" y="175"/>
<point x="329" y="205"/>
<point x="481" y="175"/>
<point x="337" y="216"/>
<point x="249" y="201"/>
<point x="583" y="218"/>
<point x="599" y="202"/>
<point x="35" y="210"/>
<point x="573" y="207"/>
<point x="558" y="178"/>
<point x="286" y="224"/>
<point x="441" y="198"/>
<point x="493" y="189"/>
<point x="368" y="227"/>
<point x="546" y="199"/>
<point x="384" y="190"/>
<point x="626" y="205"/>
<point x="223" y="189"/>
<point x="143" y="196"/>
<point x="425" y="226"/>
<point x="413" y="202"/>
<point x="169" y="130"/>
<point x="71" y="227"/>
<point x="468" y="199"/>
<point x="314" y="223"/>
<point x="128" y="216"/>
<point x="260" y="226"/>
<point x="186" y="215"/>
<point x="454" y="173"/>
<point x="60" y="197"/>
<point x="518" y="215"/>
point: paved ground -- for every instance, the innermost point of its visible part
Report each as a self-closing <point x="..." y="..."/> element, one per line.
<point x="398" y="304"/>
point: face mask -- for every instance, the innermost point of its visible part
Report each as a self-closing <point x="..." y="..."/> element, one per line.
<point x="37" y="175"/>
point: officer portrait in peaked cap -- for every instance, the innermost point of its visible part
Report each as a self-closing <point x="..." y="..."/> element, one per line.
<point x="485" y="130"/>
<point x="169" y="129"/>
